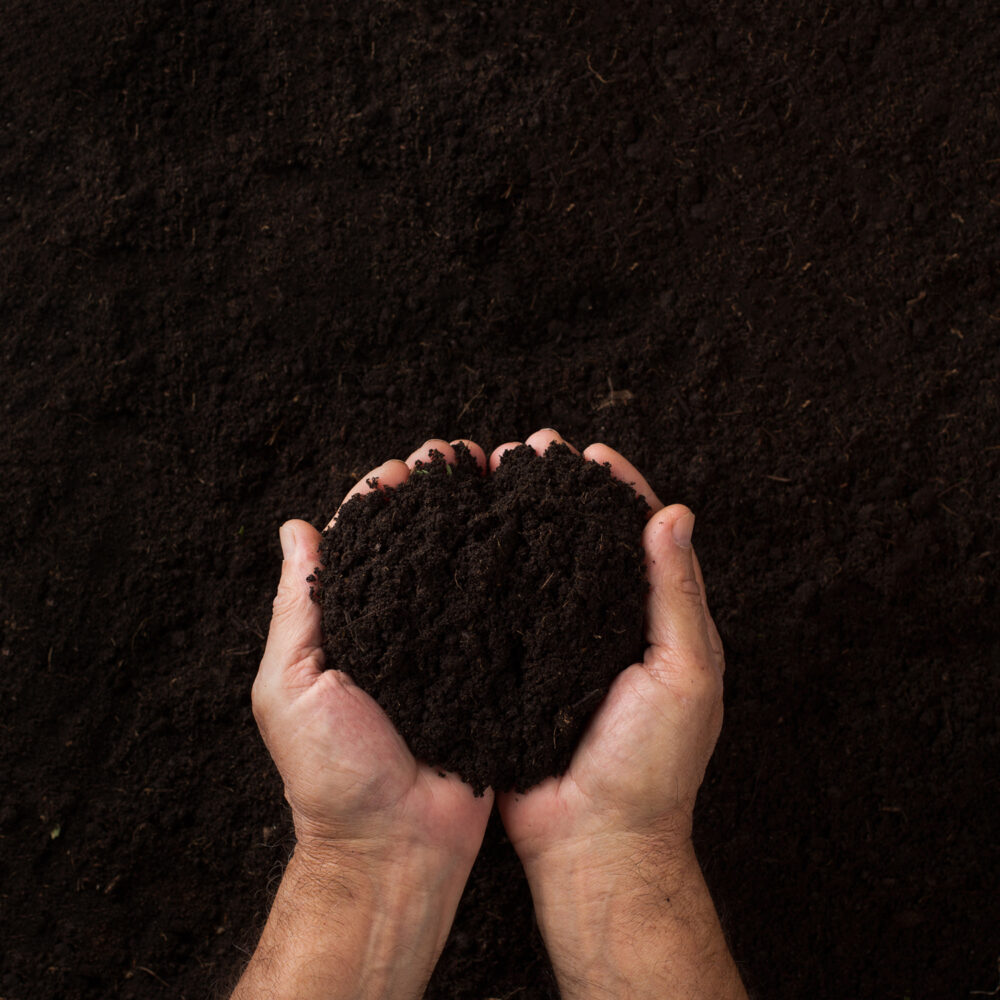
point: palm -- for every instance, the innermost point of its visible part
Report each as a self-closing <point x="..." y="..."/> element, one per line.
<point x="348" y="774"/>
<point x="603" y="780"/>
<point x="349" y="770"/>
<point x="652" y="714"/>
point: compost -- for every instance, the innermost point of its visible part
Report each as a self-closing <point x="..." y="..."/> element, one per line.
<point x="488" y="615"/>
<point x="251" y="251"/>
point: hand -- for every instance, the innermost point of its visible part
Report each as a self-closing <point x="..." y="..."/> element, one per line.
<point x="618" y="892"/>
<point x="642" y="759"/>
<point x="349" y="777"/>
<point x="384" y="843"/>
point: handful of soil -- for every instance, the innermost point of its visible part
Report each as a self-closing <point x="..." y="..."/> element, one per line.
<point x="488" y="615"/>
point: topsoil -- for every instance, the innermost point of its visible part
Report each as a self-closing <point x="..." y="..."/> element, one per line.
<point x="250" y="252"/>
<point x="488" y="615"/>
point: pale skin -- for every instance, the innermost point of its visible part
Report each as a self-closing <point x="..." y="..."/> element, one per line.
<point x="385" y="844"/>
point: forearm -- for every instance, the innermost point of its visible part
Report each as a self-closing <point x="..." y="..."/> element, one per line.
<point x="338" y="930"/>
<point x="643" y="927"/>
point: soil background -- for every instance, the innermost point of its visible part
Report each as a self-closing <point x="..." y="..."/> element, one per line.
<point x="250" y="251"/>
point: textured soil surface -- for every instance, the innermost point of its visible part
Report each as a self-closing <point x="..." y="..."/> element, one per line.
<point x="249" y="252"/>
<point x="488" y="615"/>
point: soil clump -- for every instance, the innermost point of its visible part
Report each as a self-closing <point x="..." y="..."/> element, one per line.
<point x="488" y="615"/>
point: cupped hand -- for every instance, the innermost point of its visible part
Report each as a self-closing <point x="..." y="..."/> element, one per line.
<point x="634" y="776"/>
<point x="350" y="779"/>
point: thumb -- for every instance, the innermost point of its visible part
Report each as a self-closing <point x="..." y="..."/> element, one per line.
<point x="676" y="629"/>
<point x="294" y="651"/>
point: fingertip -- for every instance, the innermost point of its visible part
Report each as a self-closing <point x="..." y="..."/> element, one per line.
<point x="498" y="453"/>
<point x="423" y="453"/>
<point x="477" y="453"/>
<point x="286" y="536"/>
<point x="295" y="633"/>
<point x="392" y="473"/>
<point x="299" y="540"/>
<point x="682" y="528"/>
<point x="663" y="525"/>
<point x="543" y="439"/>
<point x="675" y="614"/>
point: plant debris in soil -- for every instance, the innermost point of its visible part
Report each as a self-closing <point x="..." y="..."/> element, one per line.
<point x="488" y="615"/>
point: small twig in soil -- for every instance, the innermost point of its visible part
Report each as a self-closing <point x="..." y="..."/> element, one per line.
<point x="143" y="968"/>
<point x="472" y="399"/>
<point x="988" y="993"/>
<point x="614" y="397"/>
<point x="594" y="71"/>
<point x="350" y="626"/>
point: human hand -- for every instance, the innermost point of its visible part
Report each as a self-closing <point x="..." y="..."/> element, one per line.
<point x="642" y="759"/>
<point x="362" y="806"/>
<point x="384" y="843"/>
<point x="607" y="845"/>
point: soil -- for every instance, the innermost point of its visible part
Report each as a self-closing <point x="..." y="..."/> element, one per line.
<point x="488" y="615"/>
<point x="250" y="252"/>
<point x="495" y="948"/>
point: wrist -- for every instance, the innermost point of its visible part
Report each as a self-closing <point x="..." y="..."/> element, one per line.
<point x="402" y="903"/>
<point x="349" y="922"/>
<point x="632" y="920"/>
<point x="589" y="886"/>
<point x="390" y="876"/>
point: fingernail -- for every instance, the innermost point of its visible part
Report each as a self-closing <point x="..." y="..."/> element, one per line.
<point x="287" y="538"/>
<point x="683" y="529"/>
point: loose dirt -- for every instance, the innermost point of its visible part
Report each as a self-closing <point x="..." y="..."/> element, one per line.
<point x="488" y="615"/>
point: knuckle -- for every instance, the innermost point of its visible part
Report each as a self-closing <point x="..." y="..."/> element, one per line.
<point x="285" y="599"/>
<point x="688" y="591"/>
<point x="313" y="662"/>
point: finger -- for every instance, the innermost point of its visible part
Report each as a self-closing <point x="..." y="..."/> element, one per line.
<point x="623" y="469"/>
<point x="423" y="453"/>
<point x="293" y="655"/>
<point x="477" y="453"/>
<point x="541" y="440"/>
<point x="676" y="627"/>
<point x="391" y="473"/>
<point x="498" y="453"/>
<point x="713" y="633"/>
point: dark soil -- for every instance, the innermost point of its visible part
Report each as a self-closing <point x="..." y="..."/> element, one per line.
<point x="249" y="252"/>
<point x="488" y="615"/>
<point x="495" y="948"/>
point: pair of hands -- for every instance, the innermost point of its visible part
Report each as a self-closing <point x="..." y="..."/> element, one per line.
<point x="356" y="792"/>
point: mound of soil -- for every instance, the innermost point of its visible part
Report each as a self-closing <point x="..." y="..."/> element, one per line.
<point x="488" y="615"/>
